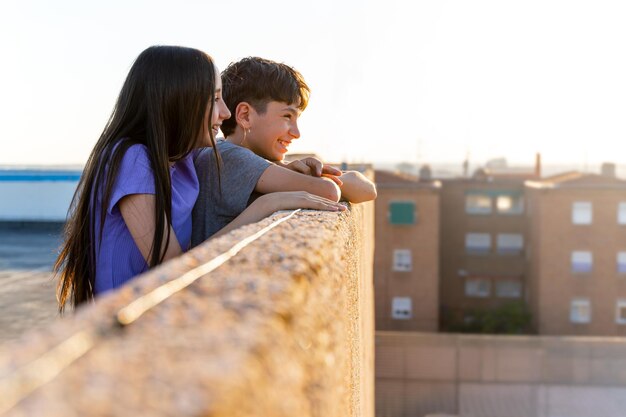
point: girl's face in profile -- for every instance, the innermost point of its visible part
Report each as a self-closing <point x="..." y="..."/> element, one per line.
<point x="220" y="113"/>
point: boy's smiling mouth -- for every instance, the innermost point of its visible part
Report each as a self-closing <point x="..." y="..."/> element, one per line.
<point x="284" y="144"/>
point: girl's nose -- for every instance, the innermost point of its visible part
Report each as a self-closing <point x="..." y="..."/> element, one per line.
<point x="224" y="113"/>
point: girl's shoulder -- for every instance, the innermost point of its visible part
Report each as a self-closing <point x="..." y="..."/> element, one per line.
<point x="135" y="165"/>
<point x="133" y="174"/>
<point x="137" y="151"/>
<point x="133" y="152"/>
<point x="135" y="158"/>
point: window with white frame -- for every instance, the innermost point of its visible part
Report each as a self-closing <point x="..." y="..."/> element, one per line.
<point x="621" y="262"/>
<point x="582" y="212"/>
<point x="402" y="260"/>
<point x="477" y="243"/>
<point x="476" y="203"/>
<point x="508" y="289"/>
<point x="510" y="204"/>
<point x="620" y="312"/>
<point x="478" y="287"/>
<point x="582" y="261"/>
<point x="580" y="310"/>
<point x="509" y="243"/>
<point x="621" y="213"/>
<point x="401" y="308"/>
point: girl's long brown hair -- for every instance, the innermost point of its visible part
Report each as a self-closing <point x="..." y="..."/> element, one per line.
<point x="162" y="106"/>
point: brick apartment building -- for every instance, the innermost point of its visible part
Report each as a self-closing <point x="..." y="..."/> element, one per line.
<point x="483" y="244"/>
<point x="577" y="254"/>
<point x="447" y="249"/>
<point x="406" y="260"/>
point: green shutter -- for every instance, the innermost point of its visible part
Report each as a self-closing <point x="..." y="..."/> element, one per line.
<point x="402" y="212"/>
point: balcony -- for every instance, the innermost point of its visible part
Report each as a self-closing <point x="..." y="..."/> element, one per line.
<point x="273" y="319"/>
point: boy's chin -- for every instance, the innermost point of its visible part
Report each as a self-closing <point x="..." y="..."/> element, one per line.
<point x="277" y="157"/>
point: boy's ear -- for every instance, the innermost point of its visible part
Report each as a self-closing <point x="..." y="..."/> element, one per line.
<point x="242" y="114"/>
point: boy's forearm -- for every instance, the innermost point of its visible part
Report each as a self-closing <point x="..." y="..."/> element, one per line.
<point x="357" y="188"/>
<point x="278" y="179"/>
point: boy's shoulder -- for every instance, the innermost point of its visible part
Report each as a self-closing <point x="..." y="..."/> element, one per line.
<point x="225" y="147"/>
<point x="232" y="156"/>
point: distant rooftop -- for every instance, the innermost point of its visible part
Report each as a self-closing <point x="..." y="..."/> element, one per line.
<point x="398" y="179"/>
<point x="575" y="179"/>
<point x="515" y="174"/>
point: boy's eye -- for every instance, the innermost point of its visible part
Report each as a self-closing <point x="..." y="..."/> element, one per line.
<point x="288" y="116"/>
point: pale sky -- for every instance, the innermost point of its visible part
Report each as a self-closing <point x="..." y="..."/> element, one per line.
<point x="425" y="81"/>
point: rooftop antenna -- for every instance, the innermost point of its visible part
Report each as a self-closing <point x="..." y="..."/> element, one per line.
<point x="466" y="164"/>
<point x="538" y="165"/>
<point x="418" y="155"/>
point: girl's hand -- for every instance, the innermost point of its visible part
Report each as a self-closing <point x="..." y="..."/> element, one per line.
<point x="289" y="200"/>
<point x="270" y="203"/>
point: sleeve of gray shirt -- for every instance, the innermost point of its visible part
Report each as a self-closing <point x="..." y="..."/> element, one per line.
<point x="221" y="200"/>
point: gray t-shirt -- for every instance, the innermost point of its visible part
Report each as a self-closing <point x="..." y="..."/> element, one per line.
<point x="240" y="171"/>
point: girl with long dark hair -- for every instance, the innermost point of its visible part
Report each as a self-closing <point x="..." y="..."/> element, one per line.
<point x="132" y="207"/>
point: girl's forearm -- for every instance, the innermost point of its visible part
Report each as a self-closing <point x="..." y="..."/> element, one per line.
<point x="267" y="204"/>
<point x="258" y="210"/>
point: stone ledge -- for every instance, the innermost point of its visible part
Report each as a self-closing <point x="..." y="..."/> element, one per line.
<point x="285" y="328"/>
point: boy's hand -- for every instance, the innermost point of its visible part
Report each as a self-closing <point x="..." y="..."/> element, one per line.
<point x="357" y="188"/>
<point x="314" y="167"/>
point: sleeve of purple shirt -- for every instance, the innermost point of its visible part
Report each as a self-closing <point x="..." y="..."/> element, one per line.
<point x="135" y="176"/>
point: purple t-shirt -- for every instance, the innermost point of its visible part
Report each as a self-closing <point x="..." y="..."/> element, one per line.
<point x="118" y="258"/>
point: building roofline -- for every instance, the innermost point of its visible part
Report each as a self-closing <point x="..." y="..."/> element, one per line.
<point x="565" y="186"/>
<point x="489" y="181"/>
<point x="433" y="185"/>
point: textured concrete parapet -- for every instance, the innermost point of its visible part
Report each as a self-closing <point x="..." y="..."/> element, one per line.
<point x="284" y="328"/>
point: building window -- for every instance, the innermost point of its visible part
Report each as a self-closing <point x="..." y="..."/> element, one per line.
<point x="402" y="212"/>
<point x="476" y="203"/>
<point x="401" y="308"/>
<point x="620" y="312"/>
<point x="402" y="260"/>
<point x="580" y="311"/>
<point x="508" y="289"/>
<point x="510" y="243"/>
<point x="477" y="287"/>
<point x="621" y="262"/>
<point x="582" y="261"/>
<point x="510" y="204"/>
<point x="621" y="213"/>
<point x="477" y="243"/>
<point x="582" y="212"/>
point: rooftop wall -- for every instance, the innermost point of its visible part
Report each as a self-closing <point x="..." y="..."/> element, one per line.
<point x="283" y="328"/>
<point x="418" y="374"/>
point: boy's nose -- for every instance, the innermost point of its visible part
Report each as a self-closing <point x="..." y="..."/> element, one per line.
<point x="294" y="131"/>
